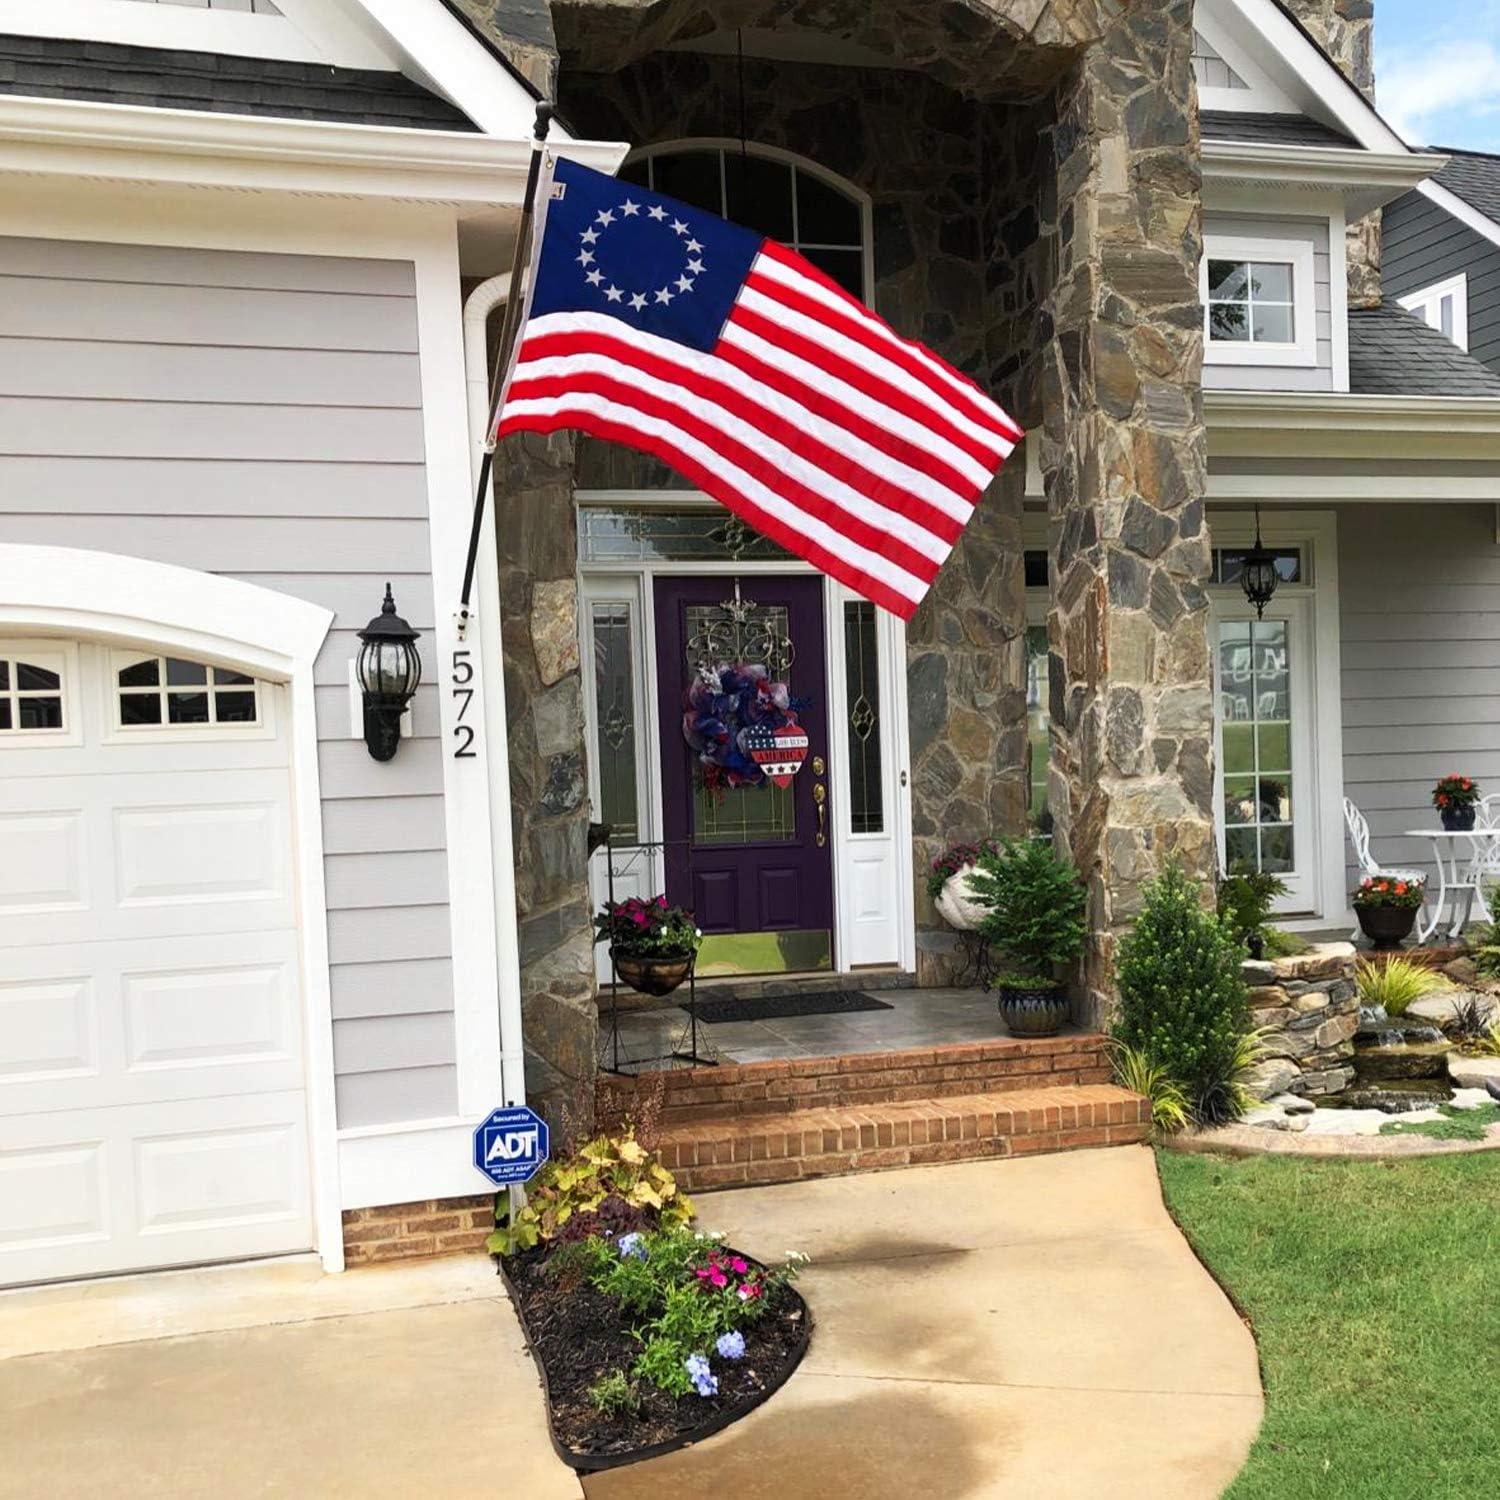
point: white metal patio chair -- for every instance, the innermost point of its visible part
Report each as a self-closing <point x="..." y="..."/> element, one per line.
<point x="1359" y="836"/>
<point x="1486" y="862"/>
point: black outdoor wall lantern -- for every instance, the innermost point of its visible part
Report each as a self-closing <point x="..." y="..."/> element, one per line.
<point x="389" y="671"/>
<point x="1258" y="575"/>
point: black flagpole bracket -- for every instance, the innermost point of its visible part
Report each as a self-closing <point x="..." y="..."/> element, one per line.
<point x="508" y="331"/>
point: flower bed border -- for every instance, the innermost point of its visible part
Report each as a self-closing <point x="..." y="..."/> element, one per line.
<point x="593" y="1463"/>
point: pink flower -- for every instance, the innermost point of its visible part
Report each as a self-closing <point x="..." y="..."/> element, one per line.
<point x="738" y="1266"/>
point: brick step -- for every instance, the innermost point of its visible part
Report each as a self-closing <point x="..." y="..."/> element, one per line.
<point x="737" y="1150"/>
<point x="858" y="1078"/>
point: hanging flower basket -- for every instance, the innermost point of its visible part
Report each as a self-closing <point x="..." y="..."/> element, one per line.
<point x="652" y="973"/>
<point x="957" y="904"/>
<point x="651" y="944"/>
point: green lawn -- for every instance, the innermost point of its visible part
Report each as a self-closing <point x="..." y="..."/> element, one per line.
<point x="1374" y="1292"/>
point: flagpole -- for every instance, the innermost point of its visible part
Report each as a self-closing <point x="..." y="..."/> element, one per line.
<point x="508" y="328"/>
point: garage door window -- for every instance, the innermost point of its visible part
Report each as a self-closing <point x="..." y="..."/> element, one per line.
<point x="163" y="692"/>
<point x="31" y="694"/>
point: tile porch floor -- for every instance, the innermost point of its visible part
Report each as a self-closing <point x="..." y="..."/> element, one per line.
<point x="918" y="1018"/>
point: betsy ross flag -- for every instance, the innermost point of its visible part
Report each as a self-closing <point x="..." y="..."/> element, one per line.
<point x="740" y="364"/>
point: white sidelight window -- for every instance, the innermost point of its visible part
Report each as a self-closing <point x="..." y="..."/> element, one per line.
<point x="1259" y="301"/>
<point x="1444" y="306"/>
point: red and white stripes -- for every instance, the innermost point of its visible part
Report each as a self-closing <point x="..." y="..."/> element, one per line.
<point x="810" y="419"/>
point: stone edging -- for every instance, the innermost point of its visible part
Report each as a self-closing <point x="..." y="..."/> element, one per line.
<point x="1252" y="1140"/>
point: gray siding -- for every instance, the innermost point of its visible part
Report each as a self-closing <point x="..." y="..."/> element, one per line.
<point x="1425" y="245"/>
<point x="260" y="416"/>
<point x="1419" y="614"/>
<point x="1318" y="377"/>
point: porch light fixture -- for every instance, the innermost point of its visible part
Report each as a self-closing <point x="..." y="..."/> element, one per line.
<point x="1258" y="575"/>
<point x="389" y="670"/>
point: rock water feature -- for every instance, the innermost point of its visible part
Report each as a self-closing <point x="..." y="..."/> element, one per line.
<point x="1400" y="1064"/>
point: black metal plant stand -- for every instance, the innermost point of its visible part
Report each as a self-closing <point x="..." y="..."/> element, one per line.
<point x="686" y="1049"/>
<point x="979" y="965"/>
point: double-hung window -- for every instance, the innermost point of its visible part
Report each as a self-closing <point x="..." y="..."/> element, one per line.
<point x="1259" y="301"/>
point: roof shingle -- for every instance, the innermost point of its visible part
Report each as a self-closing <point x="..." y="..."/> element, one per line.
<point x="1474" y="177"/>
<point x="1394" y="353"/>
<point x="109" y="73"/>
<point x="1272" y="130"/>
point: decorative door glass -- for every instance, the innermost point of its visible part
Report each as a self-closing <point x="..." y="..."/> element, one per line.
<point x="740" y="630"/>
<point x="1038" y="721"/>
<point x="1255" y="690"/>
<point x="615" y="697"/>
<point x="862" y="687"/>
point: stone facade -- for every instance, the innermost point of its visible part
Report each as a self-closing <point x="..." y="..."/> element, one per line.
<point x="1311" y="1006"/>
<point x="522" y="30"/>
<point x="1124" y="455"/>
<point x="1345" y="29"/>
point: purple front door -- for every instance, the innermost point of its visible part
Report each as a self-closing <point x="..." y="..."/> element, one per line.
<point x="751" y="862"/>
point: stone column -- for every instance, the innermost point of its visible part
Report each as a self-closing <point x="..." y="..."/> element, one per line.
<point x="536" y="530"/>
<point x="1124" y="457"/>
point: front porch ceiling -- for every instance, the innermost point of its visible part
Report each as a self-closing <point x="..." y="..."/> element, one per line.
<point x="979" y="47"/>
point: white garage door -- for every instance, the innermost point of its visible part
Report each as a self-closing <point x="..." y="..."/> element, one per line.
<point x="151" y="1083"/>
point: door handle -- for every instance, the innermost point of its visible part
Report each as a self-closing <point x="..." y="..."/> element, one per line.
<point x="820" y="801"/>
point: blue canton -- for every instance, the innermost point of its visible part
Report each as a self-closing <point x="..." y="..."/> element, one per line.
<point x="652" y="262"/>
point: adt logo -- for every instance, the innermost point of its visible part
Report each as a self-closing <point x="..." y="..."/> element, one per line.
<point x="511" y="1145"/>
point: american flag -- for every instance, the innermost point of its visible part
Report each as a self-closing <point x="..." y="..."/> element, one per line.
<point x="755" y="376"/>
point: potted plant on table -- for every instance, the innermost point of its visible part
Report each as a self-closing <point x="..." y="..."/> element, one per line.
<point x="948" y="884"/>
<point x="1036" y="922"/>
<point x="1387" y="909"/>
<point x="652" y="944"/>
<point x="1455" y="798"/>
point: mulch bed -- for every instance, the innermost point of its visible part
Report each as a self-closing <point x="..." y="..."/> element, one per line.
<point x="577" y="1336"/>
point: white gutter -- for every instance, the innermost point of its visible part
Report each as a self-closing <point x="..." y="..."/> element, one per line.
<point x="1322" y="411"/>
<point x="132" y="143"/>
<point x="1366" y="179"/>
<point x="478" y="306"/>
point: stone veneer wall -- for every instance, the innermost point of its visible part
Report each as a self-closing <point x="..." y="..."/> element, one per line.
<point x="1124" y="457"/>
<point x="1311" y="1005"/>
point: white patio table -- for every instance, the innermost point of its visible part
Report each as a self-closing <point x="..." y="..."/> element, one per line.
<point x="1457" y="857"/>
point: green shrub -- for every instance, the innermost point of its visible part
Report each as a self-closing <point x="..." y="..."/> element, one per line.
<point x="1138" y="1073"/>
<point x="614" y="1394"/>
<point x="1245" y="903"/>
<point x="1396" y="982"/>
<point x="616" y="1167"/>
<point x="1278" y="943"/>
<point x="1036" y="905"/>
<point x="1182" y="996"/>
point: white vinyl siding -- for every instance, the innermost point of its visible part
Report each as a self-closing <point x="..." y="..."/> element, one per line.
<point x="259" y="416"/>
<point x="1295" y="234"/>
<point x="1420" y="619"/>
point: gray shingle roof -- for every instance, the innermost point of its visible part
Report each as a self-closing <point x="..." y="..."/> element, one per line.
<point x="1271" y="130"/>
<point x="52" y="67"/>
<point x="1393" y="353"/>
<point x="1474" y="177"/>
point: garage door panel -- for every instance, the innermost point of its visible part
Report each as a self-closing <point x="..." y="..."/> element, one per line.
<point x="200" y="854"/>
<point x="207" y="1018"/>
<point x="42" y="862"/>
<point x="49" y="1030"/>
<point x="93" y="1191"/>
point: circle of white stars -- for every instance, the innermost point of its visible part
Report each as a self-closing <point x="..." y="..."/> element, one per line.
<point x="662" y="296"/>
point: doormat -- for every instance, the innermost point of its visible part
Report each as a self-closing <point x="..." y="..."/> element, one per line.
<point x="770" y="1007"/>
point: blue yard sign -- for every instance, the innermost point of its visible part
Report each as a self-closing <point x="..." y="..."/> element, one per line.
<point x="510" y="1145"/>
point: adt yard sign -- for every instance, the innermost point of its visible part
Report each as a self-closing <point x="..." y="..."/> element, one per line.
<point x="511" y="1145"/>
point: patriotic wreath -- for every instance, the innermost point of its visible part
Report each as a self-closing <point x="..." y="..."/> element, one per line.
<point x="743" y="727"/>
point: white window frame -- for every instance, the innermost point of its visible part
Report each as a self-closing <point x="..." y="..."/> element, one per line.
<point x="1427" y="305"/>
<point x="1300" y="254"/>
<point x="116" y="732"/>
<point x="32" y="650"/>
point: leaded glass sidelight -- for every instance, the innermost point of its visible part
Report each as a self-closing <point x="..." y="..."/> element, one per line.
<point x="1038" y="726"/>
<point x="862" y="686"/>
<point x="615" y="750"/>
<point x="1255" y="704"/>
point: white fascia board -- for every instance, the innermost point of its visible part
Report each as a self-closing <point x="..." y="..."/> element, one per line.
<point x="129" y="143"/>
<point x="1463" y="211"/>
<point x="1257" y="411"/>
<point x="1281" y="47"/>
<point x="1366" y="180"/>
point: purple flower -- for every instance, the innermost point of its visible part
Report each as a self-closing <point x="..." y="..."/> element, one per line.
<point x="731" y="1345"/>
<point x="704" y="1381"/>
<point x="630" y="1244"/>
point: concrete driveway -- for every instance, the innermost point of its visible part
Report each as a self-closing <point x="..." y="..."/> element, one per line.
<point x="1026" y="1330"/>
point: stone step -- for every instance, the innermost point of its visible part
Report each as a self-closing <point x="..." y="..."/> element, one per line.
<point x="857" y="1078"/>
<point x="737" y="1150"/>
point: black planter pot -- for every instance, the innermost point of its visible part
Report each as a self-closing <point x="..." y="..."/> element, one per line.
<point x="1387" y="927"/>
<point x="1457" y="819"/>
<point x="1035" y="1010"/>
<point x="652" y="975"/>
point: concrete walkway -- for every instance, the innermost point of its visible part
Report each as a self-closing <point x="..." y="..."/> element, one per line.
<point x="1005" y="1330"/>
<point x="273" y="1380"/>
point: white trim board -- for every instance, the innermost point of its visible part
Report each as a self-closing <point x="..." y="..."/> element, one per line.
<point x="1460" y="209"/>
<point x="71" y="592"/>
<point x="1426" y="303"/>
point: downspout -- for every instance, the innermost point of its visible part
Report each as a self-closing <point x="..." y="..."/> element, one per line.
<point x="478" y="306"/>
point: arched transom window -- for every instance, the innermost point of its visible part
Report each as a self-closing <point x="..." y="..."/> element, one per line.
<point x="768" y="191"/>
<point x="160" y="691"/>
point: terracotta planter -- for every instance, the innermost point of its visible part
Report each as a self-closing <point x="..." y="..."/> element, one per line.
<point x="956" y="904"/>
<point x="1387" y="927"/>
<point x="653" y="974"/>
<point x="1034" y="1011"/>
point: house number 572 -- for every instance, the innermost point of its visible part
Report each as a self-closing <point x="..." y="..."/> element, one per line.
<point x="463" y="696"/>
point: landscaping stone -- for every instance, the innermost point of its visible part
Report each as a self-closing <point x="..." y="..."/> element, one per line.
<point x="1308" y="1007"/>
<point x="1294" y="1104"/>
<point x="1271" y="1077"/>
<point x="1472" y="1072"/>
<point x="1406" y="1060"/>
<point x="1442" y="1009"/>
